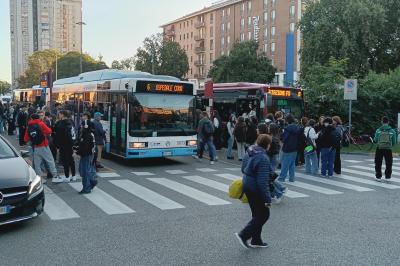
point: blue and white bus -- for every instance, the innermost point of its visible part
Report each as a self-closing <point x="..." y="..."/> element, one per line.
<point x="144" y="115"/>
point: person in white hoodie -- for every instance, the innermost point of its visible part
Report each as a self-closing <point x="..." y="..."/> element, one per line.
<point x="310" y="153"/>
<point x="231" y="138"/>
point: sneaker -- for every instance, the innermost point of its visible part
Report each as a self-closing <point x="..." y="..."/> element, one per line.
<point x="230" y="158"/>
<point x="212" y="162"/>
<point x="242" y="242"/>
<point x="57" y="179"/>
<point x="285" y="190"/>
<point x="216" y="158"/>
<point x="74" y="178"/>
<point x="377" y="179"/>
<point x="67" y="179"/>
<point x="99" y="166"/>
<point x="84" y="192"/>
<point x="259" y="245"/>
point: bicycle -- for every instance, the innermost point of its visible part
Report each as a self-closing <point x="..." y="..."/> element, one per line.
<point x="359" y="141"/>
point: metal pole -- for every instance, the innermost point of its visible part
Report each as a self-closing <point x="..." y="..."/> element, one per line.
<point x="350" y="101"/>
<point x="80" y="59"/>
<point x="56" y="67"/>
<point x="152" y="63"/>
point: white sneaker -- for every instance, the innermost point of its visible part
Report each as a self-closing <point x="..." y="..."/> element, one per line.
<point x="212" y="162"/>
<point x="378" y="179"/>
<point x="67" y="179"/>
<point x="74" y="179"/>
<point x="57" y="179"/>
<point x="278" y="200"/>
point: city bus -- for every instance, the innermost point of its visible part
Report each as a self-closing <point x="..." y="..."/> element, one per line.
<point x="35" y="96"/>
<point x="144" y="115"/>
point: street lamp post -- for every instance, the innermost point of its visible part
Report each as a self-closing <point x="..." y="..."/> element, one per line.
<point x="81" y="23"/>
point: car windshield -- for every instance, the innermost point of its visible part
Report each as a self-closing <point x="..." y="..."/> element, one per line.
<point x="6" y="151"/>
<point x="161" y="115"/>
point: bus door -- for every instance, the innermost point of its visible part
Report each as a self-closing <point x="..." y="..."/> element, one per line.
<point x="118" y="122"/>
<point x="245" y="105"/>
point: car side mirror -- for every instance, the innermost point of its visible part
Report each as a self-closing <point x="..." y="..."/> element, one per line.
<point x="24" y="153"/>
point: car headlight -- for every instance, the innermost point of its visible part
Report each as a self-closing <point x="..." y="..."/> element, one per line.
<point x="191" y="143"/>
<point x="137" y="145"/>
<point x="35" y="186"/>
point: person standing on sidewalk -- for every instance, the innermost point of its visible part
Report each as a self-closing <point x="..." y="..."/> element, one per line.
<point x="329" y="140"/>
<point x="99" y="136"/>
<point x="256" y="173"/>
<point x="231" y="138"/>
<point x="240" y="133"/>
<point x="290" y="139"/>
<point x="206" y="131"/>
<point x="310" y="151"/>
<point x="386" y="138"/>
<point x="86" y="150"/>
<point x="37" y="134"/>
<point x="337" y="123"/>
<point x="64" y="141"/>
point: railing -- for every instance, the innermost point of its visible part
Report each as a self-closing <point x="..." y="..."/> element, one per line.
<point x="200" y="49"/>
<point x="199" y="24"/>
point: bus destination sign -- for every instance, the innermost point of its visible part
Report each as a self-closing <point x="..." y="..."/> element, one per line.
<point x="285" y="93"/>
<point x="164" y="87"/>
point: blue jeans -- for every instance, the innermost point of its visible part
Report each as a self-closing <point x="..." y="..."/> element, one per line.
<point x="274" y="161"/>
<point x="211" y="148"/>
<point x="1" y="125"/>
<point x="327" y="160"/>
<point x="288" y="163"/>
<point x="87" y="170"/>
<point x="278" y="189"/>
<point x="230" y="147"/>
<point x="311" y="163"/>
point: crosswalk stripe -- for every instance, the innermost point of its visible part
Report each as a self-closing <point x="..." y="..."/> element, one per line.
<point x="318" y="189"/>
<point x="147" y="195"/>
<point x="208" y="182"/>
<point x="383" y="167"/>
<point x="104" y="201"/>
<point x="233" y="169"/>
<point x="107" y="174"/>
<point x="367" y="182"/>
<point x="293" y="194"/>
<point x="142" y="173"/>
<point x="189" y="191"/>
<point x="357" y="172"/>
<point x="206" y="170"/>
<point x="353" y="161"/>
<point x="56" y="208"/>
<point x="229" y="176"/>
<point x="176" y="172"/>
<point x="334" y="183"/>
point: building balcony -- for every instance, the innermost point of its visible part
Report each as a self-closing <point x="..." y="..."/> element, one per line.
<point x="199" y="63"/>
<point x="200" y="49"/>
<point x="198" y="38"/>
<point x="199" y="24"/>
<point x="199" y="76"/>
<point x="170" y="33"/>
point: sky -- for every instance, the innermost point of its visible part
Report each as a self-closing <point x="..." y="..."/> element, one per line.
<point x="115" y="28"/>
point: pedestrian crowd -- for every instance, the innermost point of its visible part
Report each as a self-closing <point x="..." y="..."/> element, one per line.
<point x="56" y="139"/>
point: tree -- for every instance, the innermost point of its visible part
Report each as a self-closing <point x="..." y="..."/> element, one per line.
<point x="162" y="57"/>
<point x="5" y="87"/>
<point x="364" y="31"/>
<point x="245" y="63"/>
<point x="124" y="64"/>
<point x="69" y="64"/>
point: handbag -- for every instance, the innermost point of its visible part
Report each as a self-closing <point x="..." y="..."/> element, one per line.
<point x="310" y="147"/>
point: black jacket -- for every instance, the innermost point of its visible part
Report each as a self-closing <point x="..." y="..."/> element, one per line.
<point x="329" y="138"/>
<point x="63" y="133"/>
<point x="86" y="142"/>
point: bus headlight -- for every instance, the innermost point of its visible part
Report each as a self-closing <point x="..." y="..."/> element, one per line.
<point x="191" y="143"/>
<point x="137" y="145"/>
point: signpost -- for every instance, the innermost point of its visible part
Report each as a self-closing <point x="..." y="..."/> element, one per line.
<point x="350" y="93"/>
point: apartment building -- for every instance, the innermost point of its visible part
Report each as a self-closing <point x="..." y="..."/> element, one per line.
<point x="37" y="25"/>
<point x="211" y="32"/>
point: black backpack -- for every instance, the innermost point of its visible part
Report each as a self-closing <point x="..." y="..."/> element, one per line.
<point x="86" y="143"/>
<point x="35" y="134"/>
<point x="208" y="129"/>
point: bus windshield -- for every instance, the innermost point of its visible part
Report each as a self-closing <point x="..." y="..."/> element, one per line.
<point x="152" y="115"/>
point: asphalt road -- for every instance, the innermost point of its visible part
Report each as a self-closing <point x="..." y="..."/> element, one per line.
<point x="166" y="223"/>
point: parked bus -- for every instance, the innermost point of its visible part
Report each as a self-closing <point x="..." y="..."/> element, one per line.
<point x="35" y="96"/>
<point x="144" y="115"/>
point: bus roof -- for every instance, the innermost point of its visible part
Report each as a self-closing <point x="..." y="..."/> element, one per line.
<point x="242" y="86"/>
<point x="109" y="74"/>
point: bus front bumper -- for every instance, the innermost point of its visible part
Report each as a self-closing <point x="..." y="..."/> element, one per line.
<point x="157" y="153"/>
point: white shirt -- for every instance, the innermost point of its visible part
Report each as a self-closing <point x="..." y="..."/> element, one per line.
<point x="216" y="122"/>
<point x="312" y="135"/>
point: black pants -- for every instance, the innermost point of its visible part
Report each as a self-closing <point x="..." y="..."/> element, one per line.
<point x="67" y="160"/>
<point x="337" y="166"/>
<point x="21" y="131"/>
<point x="379" y="155"/>
<point x="260" y="214"/>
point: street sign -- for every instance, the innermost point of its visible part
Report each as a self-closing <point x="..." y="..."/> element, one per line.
<point x="350" y="89"/>
<point x="43" y="80"/>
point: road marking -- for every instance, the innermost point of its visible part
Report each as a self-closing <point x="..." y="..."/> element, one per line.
<point x="148" y="195"/>
<point x="318" y="189"/>
<point x="357" y="172"/>
<point x="384" y="167"/>
<point x="334" y="183"/>
<point x="206" y="170"/>
<point x="367" y="182"/>
<point x="370" y="160"/>
<point x="229" y="176"/>
<point x="104" y="201"/>
<point x="56" y="208"/>
<point x="175" y="172"/>
<point x="353" y="161"/>
<point x="293" y="194"/>
<point x="189" y="191"/>
<point x="234" y="169"/>
<point x="208" y="182"/>
<point x="107" y="174"/>
<point x="142" y="173"/>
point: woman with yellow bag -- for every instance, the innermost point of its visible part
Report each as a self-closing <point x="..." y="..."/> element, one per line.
<point x="256" y="171"/>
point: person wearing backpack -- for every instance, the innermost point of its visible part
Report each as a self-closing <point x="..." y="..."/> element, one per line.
<point x="256" y="171"/>
<point x="251" y="135"/>
<point x="240" y="133"/>
<point x="100" y="137"/>
<point x="205" y="134"/>
<point x="86" y="151"/>
<point x="37" y="134"/>
<point x="64" y="140"/>
<point x="337" y="123"/>
<point x="386" y="138"/>
<point x="310" y="151"/>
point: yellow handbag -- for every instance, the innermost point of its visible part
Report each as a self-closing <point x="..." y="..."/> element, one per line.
<point x="236" y="191"/>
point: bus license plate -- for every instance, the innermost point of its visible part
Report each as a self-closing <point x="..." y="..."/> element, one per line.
<point x="167" y="153"/>
<point x="5" y="210"/>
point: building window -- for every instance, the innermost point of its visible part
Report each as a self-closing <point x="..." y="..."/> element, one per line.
<point x="249" y="22"/>
<point x="229" y="12"/>
<point x="211" y="18"/>
<point x="223" y="12"/>
<point x="273" y="15"/>
<point x="292" y="27"/>
<point x="265" y="34"/>
<point x="265" y="47"/>
<point x="211" y="58"/>
<point x="187" y="23"/>
<point x="242" y="24"/>
<point x="211" y="44"/>
<point x="211" y="32"/>
<point x="191" y="59"/>
<point x="242" y="37"/>
<point x="228" y="26"/>
<point x="292" y="11"/>
<point x="273" y="47"/>
<point x="249" y="35"/>
<point x="228" y="40"/>
<point x="265" y="18"/>
<point x="242" y="8"/>
<point x="222" y="27"/>
<point x="180" y="25"/>
<point x="184" y="36"/>
<point x="265" y="4"/>
<point x="249" y="7"/>
<point x="191" y="35"/>
<point x="191" y="46"/>
<point x="228" y="52"/>
<point x="222" y="41"/>
<point x="187" y="36"/>
<point x="273" y="31"/>
<point x="273" y="2"/>
<point x="180" y="37"/>
<point x="191" y="22"/>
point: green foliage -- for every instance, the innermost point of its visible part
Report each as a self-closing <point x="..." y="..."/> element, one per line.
<point x="244" y="63"/>
<point x="69" y="64"/>
<point x="124" y="64"/>
<point x="161" y="57"/>
<point x="363" y="31"/>
<point x="5" y="87"/>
